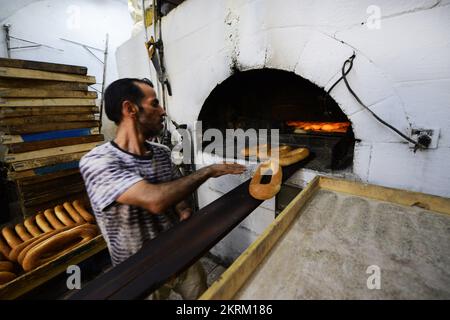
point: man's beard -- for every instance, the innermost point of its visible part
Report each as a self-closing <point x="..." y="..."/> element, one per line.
<point x="150" y="132"/>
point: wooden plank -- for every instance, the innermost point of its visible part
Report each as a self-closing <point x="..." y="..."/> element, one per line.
<point x="25" y="181"/>
<point x="53" y="190"/>
<point x="36" y="128"/>
<point x="45" y="93"/>
<point x="43" y="162"/>
<point x="30" y="280"/>
<point x="18" y="121"/>
<point x="42" y="171"/>
<point x="33" y="199"/>
<point x="49" y="135"/>
<point x="42" y="84"/>
<point x="44" y="111"/>
<point x="41" y="102"/>
<point x="6" y="72"/>
<point x="50" y="152"/>
<point x="46" y="185"/>
<point x="237" y="274"/>
<point x="32" y="210"/>
<point x="45" y="144"/>
<point x="43" y="66"/>
<point x="403" y="197"/>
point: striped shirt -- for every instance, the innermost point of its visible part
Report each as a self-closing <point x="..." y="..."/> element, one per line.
<point x="109" y="171"/>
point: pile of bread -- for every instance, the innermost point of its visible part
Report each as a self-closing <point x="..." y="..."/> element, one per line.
<point x="274" y="159"/>
<point x="44" y="237"/>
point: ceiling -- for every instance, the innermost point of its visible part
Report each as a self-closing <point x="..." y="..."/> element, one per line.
<point x="9" y="7"/>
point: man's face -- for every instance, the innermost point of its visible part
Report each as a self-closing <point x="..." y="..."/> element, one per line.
<point x="151" y="118"/>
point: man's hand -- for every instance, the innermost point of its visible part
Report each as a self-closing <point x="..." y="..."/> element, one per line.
<point x="183" y="210"/>
<point x="220" y="169"/>
<point x="185" y="214"/>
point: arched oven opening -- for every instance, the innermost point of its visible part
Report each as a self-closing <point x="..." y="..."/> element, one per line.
<point x="274" y="99"/>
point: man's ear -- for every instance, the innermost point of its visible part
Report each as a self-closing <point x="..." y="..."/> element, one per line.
<point x="129" y="109"/>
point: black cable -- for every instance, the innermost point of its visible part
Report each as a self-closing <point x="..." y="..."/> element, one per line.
<point x="344" y="77"/>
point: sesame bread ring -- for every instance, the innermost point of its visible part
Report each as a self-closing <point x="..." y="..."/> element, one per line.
<point x="5" y="249"/>
<point x="279" y="151"/>
<point x="6" y="276"/>
<point x="293" y="156"/>
<point x="253" y="151"/>
<point x="58" y="245"/>
<point x="266" y="191"/>
<point x="73" y="213"/>
<point x="53" y="220"/>
<point x="11" y="237"/>
<point x="18" y="253"/>
<point x="30" y="224"/>
<point x="63" y="216"/>
<point x="6" y="266"/>
<point x="22" y="232"/>
<point x="14" y="254"/>
<point x="83" y="212"/>
<point x="43" y="223"/>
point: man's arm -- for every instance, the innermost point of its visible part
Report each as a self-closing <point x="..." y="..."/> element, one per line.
<point x="157" y="198"/>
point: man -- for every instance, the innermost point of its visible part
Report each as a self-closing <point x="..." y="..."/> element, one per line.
<point x="133" y="186"/>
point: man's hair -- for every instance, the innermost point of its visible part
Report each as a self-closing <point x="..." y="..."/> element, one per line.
<point x="118" y="92"/>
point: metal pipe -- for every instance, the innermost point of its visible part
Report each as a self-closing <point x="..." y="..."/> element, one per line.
<point x="7" y="39"/>
<point x="105" y="56"/>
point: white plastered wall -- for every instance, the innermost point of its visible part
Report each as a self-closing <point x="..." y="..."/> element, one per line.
<point x="401" y="71"/>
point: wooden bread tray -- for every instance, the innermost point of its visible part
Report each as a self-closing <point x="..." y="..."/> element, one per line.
<point x="34" y="278"/>
<point x="347" y="240"/>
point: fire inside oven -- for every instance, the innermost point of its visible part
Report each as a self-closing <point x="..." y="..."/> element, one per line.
<point x="273" y="99"/>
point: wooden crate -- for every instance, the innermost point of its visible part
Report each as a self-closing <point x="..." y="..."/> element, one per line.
<point x="30" y="280"/>
<point x="321" y="247"/>
<point x="48" y="121"/>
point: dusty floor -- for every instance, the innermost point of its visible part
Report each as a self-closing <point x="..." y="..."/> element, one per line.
<point x="326" y="252"/>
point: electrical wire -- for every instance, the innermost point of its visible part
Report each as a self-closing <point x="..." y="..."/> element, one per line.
<point x="345" y="72"/>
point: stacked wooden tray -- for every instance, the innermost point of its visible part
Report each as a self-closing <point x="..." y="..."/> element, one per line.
<point x="48" y="121"/>
<point x="61" y="236"/>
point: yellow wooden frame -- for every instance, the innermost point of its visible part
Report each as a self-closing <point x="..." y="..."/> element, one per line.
<point x="238" y="273"/>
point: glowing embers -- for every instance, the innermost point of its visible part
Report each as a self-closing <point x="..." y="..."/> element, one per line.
<point x="308" y="126"/>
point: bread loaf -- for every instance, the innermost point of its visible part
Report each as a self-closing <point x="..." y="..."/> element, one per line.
<point x="6" y="266"/>
<point x="58" y="245"/>
<point x="83" y="212"/>
<point x="63" y="216"/>
<point x="13" y="255"/>
<point x="43" y="223"/>
<point x="293" y="156"/>
<point x="18" y="253"/>
<point x="11" y="237"/>
<point x="53" y="220"/>
<point x="73" y="213"/>
<point x="6" y="276"/>
<point x="266" y="191"/>
<point x="5" y="249"/>
<point x="22" y="232"/>
<point x="30" y="224"/>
